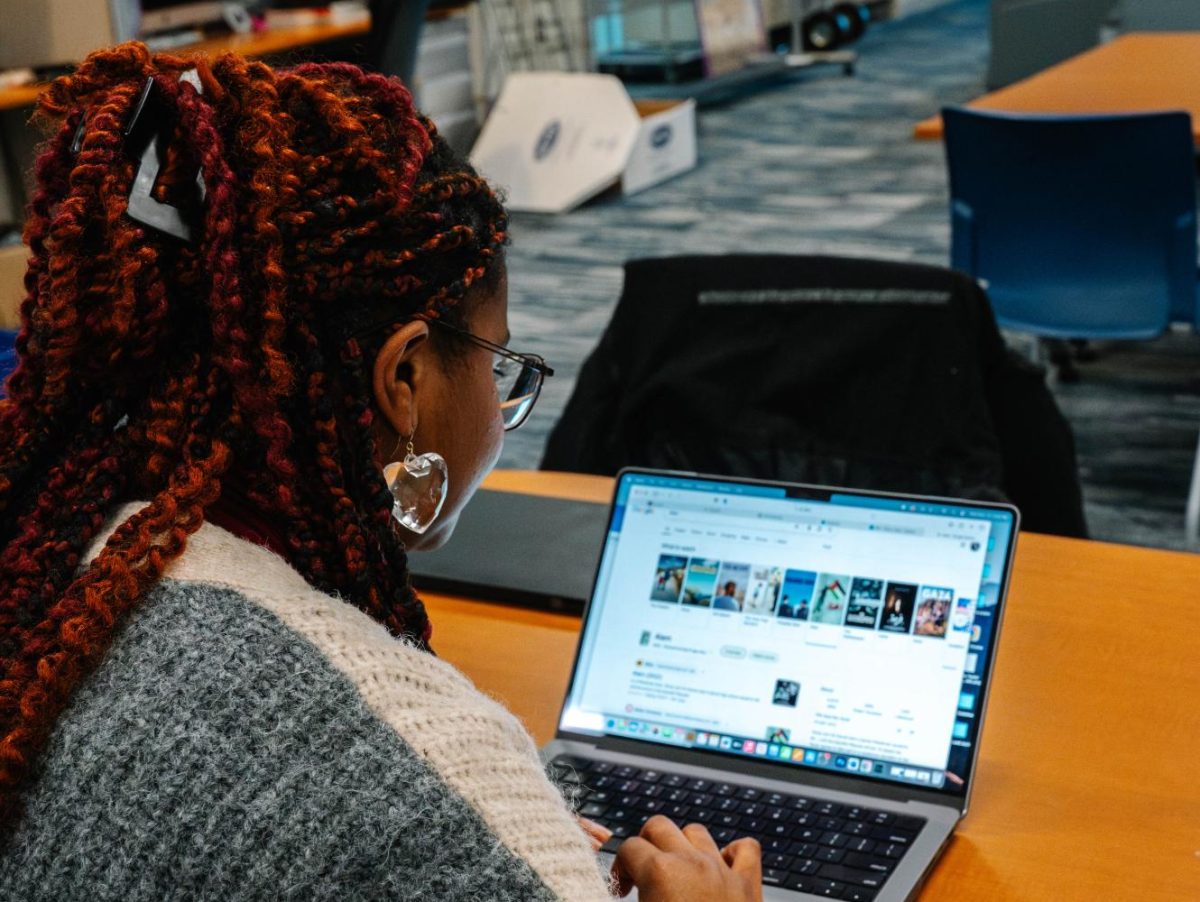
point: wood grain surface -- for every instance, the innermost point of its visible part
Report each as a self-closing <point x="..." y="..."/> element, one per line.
<point x="1135" y="73"/>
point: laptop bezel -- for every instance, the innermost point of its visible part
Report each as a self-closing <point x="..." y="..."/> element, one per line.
<point x="792" y="773"/>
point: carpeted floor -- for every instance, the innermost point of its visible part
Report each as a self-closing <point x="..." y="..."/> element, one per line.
<point x="826" y="164"/>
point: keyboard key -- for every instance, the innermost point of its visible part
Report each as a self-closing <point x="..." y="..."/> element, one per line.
<point x="892" y="835"/>
<point x="649" y="776"/>
<point x="727" y="818"/>
<point x="858" y="894"/>
<point x="881" y="817"/>
<point x="727" y="803"/>
<point x="778" y="814"/>
<point x="800" y="803"/>
<point x="624" y="772"/>
<point x="750" y="793"/>
<point x="806" y="834"/>
<point x="858" y="828"/>
<point x="620" y="831"/>
<point x="677" y="795"/>
<point x="724" y="789"/>
<point x="612" y="844"/>
<point x="776" y="860"/>
<point x="803" y="849"/>
<point x="593" y="809"/>
<point x="753" y="824"/>
<point x="805" y="866"/>
<point x="602" y="781"/>
<point x="773" y="877"/>
<point x="806" y="819"/>
<point x="600" y="767"/>
<point x="599" y="795"/>
<point x="778" y="829"/>
<point x="677" y="811"/>
<point x="855" y="813"/>
<point x="851" y="875"/>
<point x="798" y="882"/>
<point x="837" y="840"/>
<point x="703" y="815"/>
<point x="828" y="808"/>
<point x="869" y="862"/>
<point x="703" y="799"/>
<point x="831" y="855"/>
<point x="909" y="822"/>
<point x="860" y="844"/>
<point x="830" y="823"/>
<point x="619" y="815"/>
<point x="698" y="785"/>
<point x="890" y="850"/>
<point x="650" y="806"/>
<point x="674" y="780"/>
<point x="776" y="798"/>
<point x="753" y="809"/>
<point x="724" y="835"/>
<point x="776" y="843"/>
<point x="831" y="888"/>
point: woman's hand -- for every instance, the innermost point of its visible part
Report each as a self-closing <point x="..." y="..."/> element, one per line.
<point x="597" y="835"/>
<point x="667" y="864"/>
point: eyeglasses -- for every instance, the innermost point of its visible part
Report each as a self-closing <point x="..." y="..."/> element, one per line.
<point x="518" y="377"/>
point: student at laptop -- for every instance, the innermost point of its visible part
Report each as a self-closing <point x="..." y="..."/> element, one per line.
<point x="215" y="678"/>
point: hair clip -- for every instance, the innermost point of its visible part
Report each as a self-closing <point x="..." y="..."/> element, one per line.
<point x="146" y="138"/>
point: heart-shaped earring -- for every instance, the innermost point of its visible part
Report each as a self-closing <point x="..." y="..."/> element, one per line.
<point x="418" y="484"/>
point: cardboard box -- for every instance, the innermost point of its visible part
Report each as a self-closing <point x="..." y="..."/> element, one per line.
<point x="12" y="287"/>
<point x="665" y="145"/>
<point x="556" y="139"/>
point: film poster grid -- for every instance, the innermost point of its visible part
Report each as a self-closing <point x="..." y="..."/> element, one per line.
<point x="835" y="599"/>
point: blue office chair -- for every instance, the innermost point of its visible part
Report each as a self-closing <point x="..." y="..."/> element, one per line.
<point x="1080" y="226"/>
<point x="8" y="356"/>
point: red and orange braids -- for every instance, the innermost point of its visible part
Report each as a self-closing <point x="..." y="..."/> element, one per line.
<point x="157" y="370"/>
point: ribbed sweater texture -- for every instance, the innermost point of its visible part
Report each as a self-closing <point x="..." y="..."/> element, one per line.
<point x="248" y="737"/>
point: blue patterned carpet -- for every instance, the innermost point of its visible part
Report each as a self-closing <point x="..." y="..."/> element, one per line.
<point x="823" y="163"/>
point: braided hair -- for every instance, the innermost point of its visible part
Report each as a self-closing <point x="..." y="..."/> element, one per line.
<point x="159" y="370"/>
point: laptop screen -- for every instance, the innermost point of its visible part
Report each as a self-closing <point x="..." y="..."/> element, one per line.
<point x="841" y="631"/>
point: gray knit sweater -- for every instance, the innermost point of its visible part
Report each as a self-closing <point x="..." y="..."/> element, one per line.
<point x="248" y="737"/>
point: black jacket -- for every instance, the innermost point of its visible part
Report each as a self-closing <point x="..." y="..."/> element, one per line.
<point x="824" y="370"/>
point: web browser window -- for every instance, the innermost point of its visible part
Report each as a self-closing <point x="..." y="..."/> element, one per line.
<point x="845" y="631"/>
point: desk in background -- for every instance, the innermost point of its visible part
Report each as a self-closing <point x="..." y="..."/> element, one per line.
<point x="1132" y="74"/>
<point x="1086" y="786"/>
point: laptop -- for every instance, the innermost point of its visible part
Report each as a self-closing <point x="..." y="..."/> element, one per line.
<point x="805" y="665"/>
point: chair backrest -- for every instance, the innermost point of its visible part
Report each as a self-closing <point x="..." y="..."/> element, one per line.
<point x="1079" y="226"/>
<point x="830" y="370"/>
<point x="8" y="357"/>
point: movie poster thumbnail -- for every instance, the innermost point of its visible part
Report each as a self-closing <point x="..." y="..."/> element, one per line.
<point x="731" y="587"/>
<point x="700" y="583"/>
<point x="898" y="604"/>
<point x="829" y="600"/>
<point x="668" y="578"/>
<point x="933" y="611"/>
<point x="795" y="602"/>
<point x="960" y="620"/>
<point x="866" y="600"/>
<point x="763" y="591"/>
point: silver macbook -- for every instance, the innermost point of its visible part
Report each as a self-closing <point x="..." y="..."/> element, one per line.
<point x="805" y="665"/>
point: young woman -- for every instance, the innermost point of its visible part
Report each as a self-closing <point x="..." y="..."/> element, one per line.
<point x="265" y="324"/>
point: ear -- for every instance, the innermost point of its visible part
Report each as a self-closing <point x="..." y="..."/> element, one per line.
<point x="394" y="378"/>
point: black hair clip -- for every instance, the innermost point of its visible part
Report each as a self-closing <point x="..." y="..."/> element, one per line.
<point x="146" y="138"/>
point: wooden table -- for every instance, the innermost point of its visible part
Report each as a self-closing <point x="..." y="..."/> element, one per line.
<point x="1135" y="73"/>
<point x="263" y="43"/>
<point x="1087" y="785"/>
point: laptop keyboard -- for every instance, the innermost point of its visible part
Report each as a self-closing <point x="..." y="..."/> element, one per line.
<point x="808" y="844"/>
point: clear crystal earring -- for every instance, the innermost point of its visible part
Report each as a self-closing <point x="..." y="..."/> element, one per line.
<point x="418" y="484"/>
